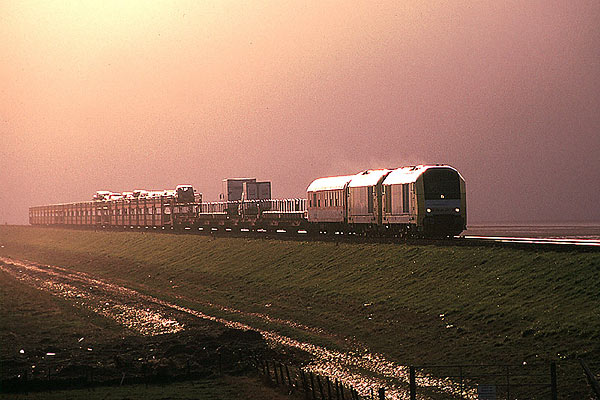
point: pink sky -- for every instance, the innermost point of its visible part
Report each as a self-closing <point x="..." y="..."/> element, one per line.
<point x="121" y="95"/>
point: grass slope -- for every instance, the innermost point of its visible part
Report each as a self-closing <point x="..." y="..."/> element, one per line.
<point x="416" y="304"/>
<point x="35" y="322"/>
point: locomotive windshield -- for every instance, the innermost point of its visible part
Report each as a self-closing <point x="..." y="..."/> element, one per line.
<point x="441" y="183"/>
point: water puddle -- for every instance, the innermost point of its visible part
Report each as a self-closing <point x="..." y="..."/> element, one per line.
<point x="148" y="315"/>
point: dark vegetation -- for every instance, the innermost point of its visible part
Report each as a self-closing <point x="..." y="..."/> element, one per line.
<point x="416" y="304"/>
<point x="46" y="343"/>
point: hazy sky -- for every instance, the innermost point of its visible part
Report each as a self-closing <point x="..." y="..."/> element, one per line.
<point x="121" y="95"/>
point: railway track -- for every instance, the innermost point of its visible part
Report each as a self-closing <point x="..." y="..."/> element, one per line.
<point x="529" y="243"/>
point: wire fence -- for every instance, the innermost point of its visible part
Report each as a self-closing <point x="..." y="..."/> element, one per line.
<point x="113" y="371"/>
<point x="291" y="378"/>
<point x="592" y="375"/>
<point x="428" y="381"/>
<point x="314" y="387"/>
<point x="492" y="381"/>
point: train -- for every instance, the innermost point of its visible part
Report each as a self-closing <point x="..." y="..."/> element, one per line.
<point x="411" y="201"/>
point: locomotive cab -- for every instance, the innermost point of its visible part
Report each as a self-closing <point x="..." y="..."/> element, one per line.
<point x="444" y="206"/>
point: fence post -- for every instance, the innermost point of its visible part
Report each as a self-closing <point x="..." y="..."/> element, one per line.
<point x="275" y="372"/>
<point x="304" y="384"/>
<point x="328" y="388"/>
<point x="312" y="386"/>
<point x="413" y="384"/>
<point x="381" y="393"/>
<point x="507" y="382"/>
<point x="337" y="389"/>
<point x="320" y="387"/>
<point x="553" y="388"/>
<point x="592" y="381"/>
<point x="287" y="372"/>
<point x="461" y="381"/>
<point x="26" y="385"/>
<point x="281" y="372"/>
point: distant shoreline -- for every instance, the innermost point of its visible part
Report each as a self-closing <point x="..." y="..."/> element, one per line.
<point x="534" y="224"/>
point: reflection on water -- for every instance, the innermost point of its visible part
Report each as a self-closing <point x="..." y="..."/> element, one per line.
<point x="148" y="315"/>
<point x="586" y="231"/>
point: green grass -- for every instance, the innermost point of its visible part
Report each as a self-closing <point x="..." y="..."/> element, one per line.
<point x="34" y="322"/>
<point x="415" y="303"/>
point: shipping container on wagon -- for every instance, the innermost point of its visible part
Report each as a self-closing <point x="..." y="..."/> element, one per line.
<point x="256" y="190"/>
<point x="232" y="188"/>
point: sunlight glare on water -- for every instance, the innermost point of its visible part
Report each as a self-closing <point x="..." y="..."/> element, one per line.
<point x="146" y="315"/>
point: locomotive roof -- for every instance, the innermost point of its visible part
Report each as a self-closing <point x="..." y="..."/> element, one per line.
<point x="329" y="183"/>
<point x="409" y="174"/>
<point x="369" y="177"/>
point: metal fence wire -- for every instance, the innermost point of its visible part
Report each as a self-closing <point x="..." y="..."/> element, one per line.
<point x="530" y="381"/>
<point x="592" y="375"/>
<point x="484" y="382"/>
<point x="295" y="380"/>
<point x="478" y="382"/>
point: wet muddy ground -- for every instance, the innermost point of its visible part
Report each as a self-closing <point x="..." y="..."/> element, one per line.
<point x="105" y="333"/>
<point x="164" y="339"/>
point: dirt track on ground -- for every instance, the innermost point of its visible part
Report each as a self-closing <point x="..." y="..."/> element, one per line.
<point x="150" y="316"/>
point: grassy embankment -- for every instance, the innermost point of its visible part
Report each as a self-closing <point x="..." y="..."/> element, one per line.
<point x="35" y="322"/>
<point x="416" y="304"/>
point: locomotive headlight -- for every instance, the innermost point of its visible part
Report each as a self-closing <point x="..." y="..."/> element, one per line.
<point x="428" y="210"/>
<point x="457" y="209"/>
